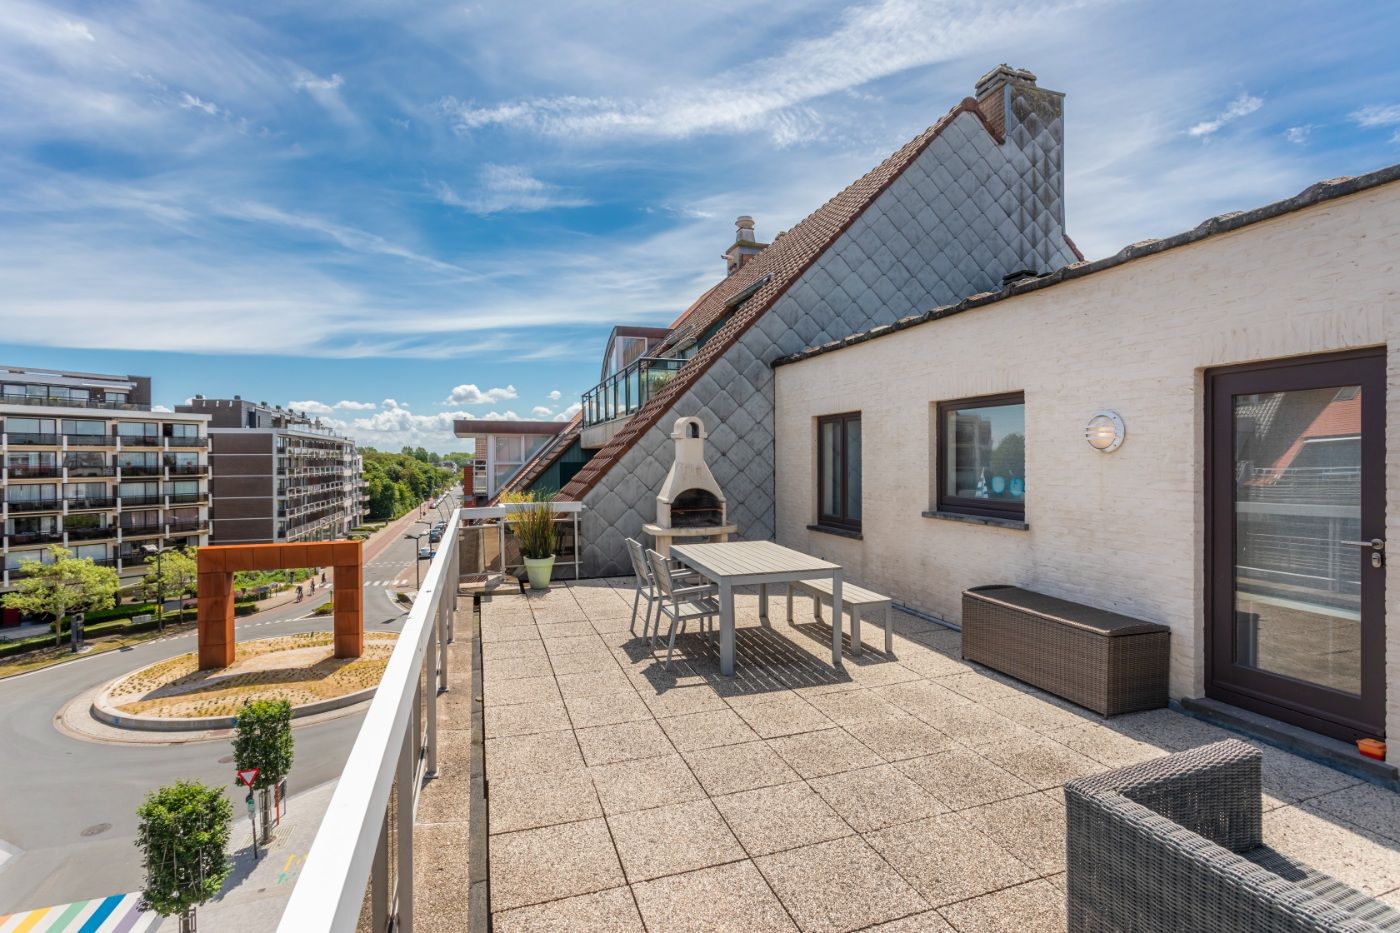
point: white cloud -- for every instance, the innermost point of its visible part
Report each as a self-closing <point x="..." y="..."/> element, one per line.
<point x="569" y="412"/>
<point x="1241" y="106"/>
<point x="311" y="406"/>
<point x="1377" y="115"/>
<point x="309" y="82"/>
<point x="190" y="102"/>
<point x="541" y="411"/>
<point x="468" y="394"/>
<point x="501" y="416"/>
<point x="866" y="43"/>
<point x="556" y="395"/>
<point x="161" y="408"/>
<point x="507" y="188"/>
<point x="1298" y="134"/>
<point x="346" y="405"/>
<point x="395" y="426"/>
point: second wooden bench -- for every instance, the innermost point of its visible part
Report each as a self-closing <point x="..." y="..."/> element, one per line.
<point x="855" y="598"/>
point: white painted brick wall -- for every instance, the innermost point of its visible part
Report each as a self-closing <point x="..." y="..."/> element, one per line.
<point x="1121" y="530"/>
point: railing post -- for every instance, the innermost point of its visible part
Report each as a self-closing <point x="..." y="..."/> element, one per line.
<point x="431" y="660"/>
<point x="379" y="881"/>
<point x="407" y="781"/>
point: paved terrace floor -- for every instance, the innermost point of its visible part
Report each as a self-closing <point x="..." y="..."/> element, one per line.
<point x="913" y="792"/>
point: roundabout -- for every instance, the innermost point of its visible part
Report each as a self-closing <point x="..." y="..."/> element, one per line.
<point x="174" y="695"/>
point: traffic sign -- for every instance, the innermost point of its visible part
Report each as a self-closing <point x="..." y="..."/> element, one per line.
<point x="247" y="777"/>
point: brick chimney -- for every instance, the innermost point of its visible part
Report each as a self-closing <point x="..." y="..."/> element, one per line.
<point x="1031" y="121"/>
<point x="746" y="245"/>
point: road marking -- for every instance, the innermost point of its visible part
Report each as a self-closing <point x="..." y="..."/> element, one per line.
<point x="99" y="915"/>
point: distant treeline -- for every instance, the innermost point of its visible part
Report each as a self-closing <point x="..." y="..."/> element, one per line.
<point x="398" y="482"/>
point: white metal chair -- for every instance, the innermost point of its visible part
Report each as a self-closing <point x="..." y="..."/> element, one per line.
<point x="646" y="586"/>
<point x="680" y="603"/>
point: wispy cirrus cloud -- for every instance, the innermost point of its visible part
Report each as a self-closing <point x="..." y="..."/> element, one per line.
<point x="1241" y="106"/>
<point x="507" y="188"/>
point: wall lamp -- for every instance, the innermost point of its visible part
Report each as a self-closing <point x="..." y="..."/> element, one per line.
<point x="1105" y="431"/>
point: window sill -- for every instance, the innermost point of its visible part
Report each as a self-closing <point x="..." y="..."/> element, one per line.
<point x="839" y="532"/>
<point x="1012" y="523"/>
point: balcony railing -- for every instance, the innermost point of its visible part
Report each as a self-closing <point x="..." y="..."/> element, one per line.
<point x="188" y="441"/>
<point x="353" y="864"/>
<point x="183" y="498"/>
<point x="23" y="471"/>
<point x="34" y="537"/>
<point x="132" y="531"/>
<point x="141" y="501"/>
<point x="185" y="527"/>
<point x="36" y="505"/>
<point x="90" y="534"/>
<point x="141" y="440"/>
<point x="55" y="401"/>
<point x="77" y="470"/>
<point x="88" y="503"/>
<point x="91" y="440"/>
<point x="41" y="440"/>
<point x="142" y="470"/>
<point x="628" y="389"/>
<point x="188" y="469"/>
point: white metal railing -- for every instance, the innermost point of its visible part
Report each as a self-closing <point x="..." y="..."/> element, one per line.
<point x="494" y="520"/>
<point x="362" y="856"/>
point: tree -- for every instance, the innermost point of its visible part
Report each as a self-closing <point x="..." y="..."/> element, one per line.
<point x="264" y="741"/>
<point x="183" y="838"/>
<point x="170" y="573"/>
<point x="64" y="585"/>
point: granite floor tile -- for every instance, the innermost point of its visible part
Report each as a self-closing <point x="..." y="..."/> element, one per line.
<point x="585" y="662"/>
<point x="921" y="697"/>
<point x="624" y="741"/>
<point x="929" y="921"/>
<point x="731" y="768"/>
<point x="678" y="699"/>
<point x="1362" y="859"/>
<point x="536" y="800"/>
<point x="1102" y="744"/>
<point x="707" y="729"/>
<point x="782" y="715"/>
<point x="1032" y="828"/>
<point x="730" y="898"/>
<point x="850" y="706"/>
<point x="1041" y="763"/>
<point x="525" y="719"/>
<point x="832" y="887"/>
<point x="506" y="650"/>
<point x="605" y="709"/>
<point x="962" y="778"/>
<point x="977" y="725"/>
<point x="828" y="751"/>
<point x="610" y="911"/>
<point x="873" y="798"/>
<point x="572" y="644"/>
<point x="1035" y="907"/>
<point x="516" y="755"/>
<point x="784" y="816"/>
<point x="593" y="683"/>
<point x="1365" y="805"/>
<point x="899" y="738"/>
<point x="537" y="865"/>
<point x="644" y="783"/>
<point x="946" y="860"/>
<point x="672" y="839"/>
<point x="521" y="690"/>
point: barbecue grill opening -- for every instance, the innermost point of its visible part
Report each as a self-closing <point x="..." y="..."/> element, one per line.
<point x="696" y="508"/>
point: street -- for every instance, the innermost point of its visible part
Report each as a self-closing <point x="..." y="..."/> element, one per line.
<point x="67" y="806"/>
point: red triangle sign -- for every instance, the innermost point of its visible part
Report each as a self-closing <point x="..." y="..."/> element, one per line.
<point x="247" y="777"/>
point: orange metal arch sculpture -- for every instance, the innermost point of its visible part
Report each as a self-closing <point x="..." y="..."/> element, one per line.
<point x="218" y="564"/>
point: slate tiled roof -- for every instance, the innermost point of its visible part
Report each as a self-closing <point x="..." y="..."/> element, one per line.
<point x="784" y="262"/>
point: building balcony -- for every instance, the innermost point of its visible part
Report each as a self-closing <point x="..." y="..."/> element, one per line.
<point x="91" y="503"/>
<point x="143" y="531"/>
<point x="33" y="472"/>
<point x="91" y="440"/>
<point x="91" y="534"/>
<point x="619" y="396"/>
<point x="141" y="502"/>
<point x="142" y="440"/>
<point x="128" y="471"/>
<point x="189" y="469"/>
<point x="187" y="441"/>
<point x="21" y="538"/>
<point x="25" y="439"/>
<point x="54" y="401"/>
<point x="186" y="527"/>
<point x="188" y="498"/>
<point x="82" y="472"/>
<point x="35" y="505"/>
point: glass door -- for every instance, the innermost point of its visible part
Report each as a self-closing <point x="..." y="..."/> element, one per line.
<point x="1296" y="525"/>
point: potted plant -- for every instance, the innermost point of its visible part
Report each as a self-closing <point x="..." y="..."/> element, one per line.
<point x="534" y="526"/>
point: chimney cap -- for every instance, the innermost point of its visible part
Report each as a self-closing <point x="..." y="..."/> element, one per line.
<point x="1000" y="75"/>
<point x="744" y="222"/>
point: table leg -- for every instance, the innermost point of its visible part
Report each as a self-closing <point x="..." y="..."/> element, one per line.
<point x="726" y="628"/>
<point x="855" y="629"/>
<point x="789" y="603"/>
<point x="836" y="619"/>
<point x="889" y="632"/>
<point x="763" y="602"/>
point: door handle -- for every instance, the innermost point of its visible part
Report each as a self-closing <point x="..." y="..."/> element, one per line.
<point x="1375" y="544"/>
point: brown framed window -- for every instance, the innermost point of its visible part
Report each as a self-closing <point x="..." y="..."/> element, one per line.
<point x="982" y="456"/>
<point x="838" y="470"/>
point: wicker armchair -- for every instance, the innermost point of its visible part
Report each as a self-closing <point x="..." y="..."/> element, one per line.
<point x="1176" y="845"/>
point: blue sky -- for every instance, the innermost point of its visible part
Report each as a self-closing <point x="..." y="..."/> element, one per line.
<point x="395" y="213"/>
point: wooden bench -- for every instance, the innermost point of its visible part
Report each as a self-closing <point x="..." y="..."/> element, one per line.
<point x="1102" y="660"/>
<point x="855" y="599"/>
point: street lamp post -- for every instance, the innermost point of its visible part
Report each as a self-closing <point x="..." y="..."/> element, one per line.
<point x="160" y="584"/>
<point x="417" y="559"/>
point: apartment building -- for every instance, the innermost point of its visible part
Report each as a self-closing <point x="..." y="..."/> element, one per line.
<point x="278" y="474"/>
<point x="501" y="449"/>
<point x="88" y="465"/>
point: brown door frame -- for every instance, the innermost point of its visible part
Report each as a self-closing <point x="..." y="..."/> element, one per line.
<point x="1320" y="709"/>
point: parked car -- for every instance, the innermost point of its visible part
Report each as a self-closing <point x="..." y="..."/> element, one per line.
<point x="426" y="553"/>
<point x="435" y="535"/>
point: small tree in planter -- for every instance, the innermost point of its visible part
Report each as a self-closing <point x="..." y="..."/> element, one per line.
<point x="183" y="838"/>
<point x="533" y="524"/>
<point x="64" y="585"/>
<point x="264" y="741"/>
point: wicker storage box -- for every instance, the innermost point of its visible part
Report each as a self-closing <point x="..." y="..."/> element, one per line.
<point x="1104" y="661"/>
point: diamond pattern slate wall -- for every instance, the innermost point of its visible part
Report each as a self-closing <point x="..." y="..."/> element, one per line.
<point x="965" y="213"/>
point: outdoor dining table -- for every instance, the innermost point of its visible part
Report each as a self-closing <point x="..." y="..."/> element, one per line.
<point x="745" y="563"/>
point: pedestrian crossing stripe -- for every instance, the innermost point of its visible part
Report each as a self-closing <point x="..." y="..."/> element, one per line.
<point x="120" y="913"/>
